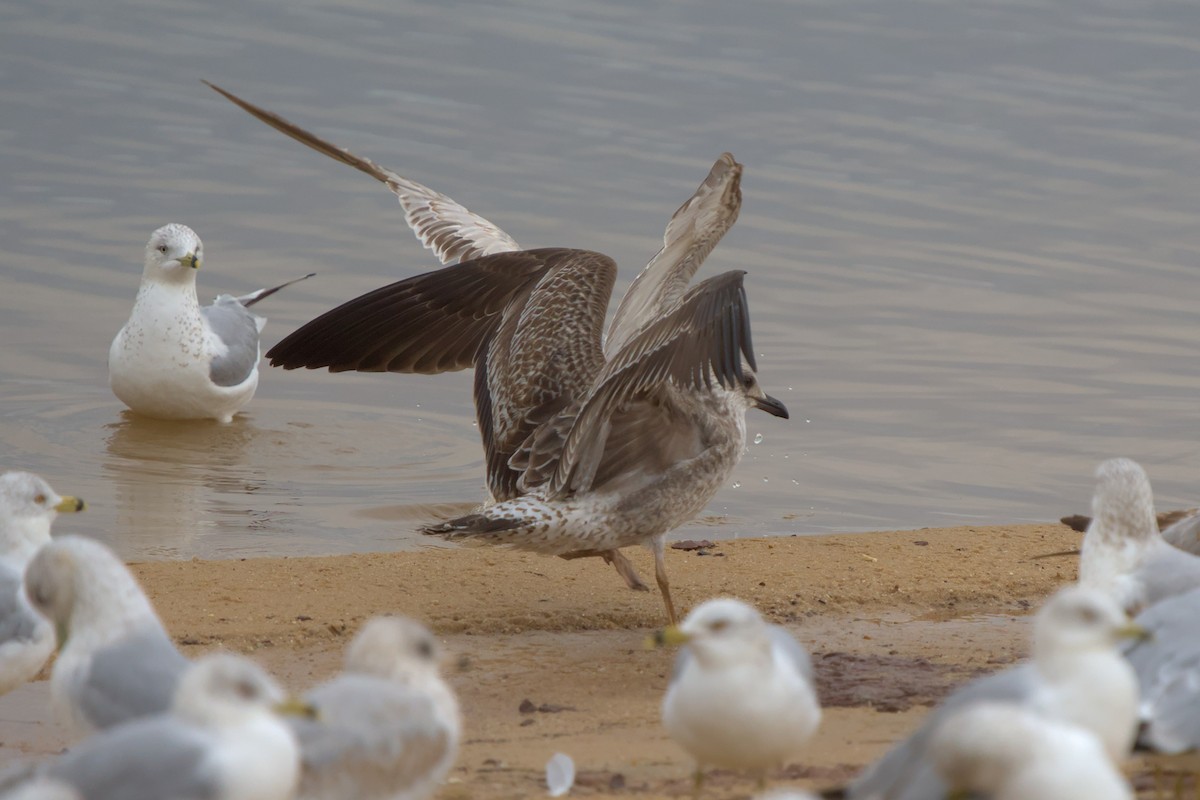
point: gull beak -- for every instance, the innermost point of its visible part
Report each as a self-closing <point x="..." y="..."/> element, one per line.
<point x="60" y="634"/>
<point x="771" y="406"/>
<point x="295" y="707"/>
<point x="1131" y="630"/>
<point x="69" y="505"/>
<point x="1058" y="554"/>
<point x="670" y="635"/>
<point x="190" y="260"/>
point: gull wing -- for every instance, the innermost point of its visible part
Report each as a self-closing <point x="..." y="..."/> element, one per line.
<point x="692" y="233"/>
<point x="429" y="323"/>
<point x="452" y="232"/>
<point x="705" y="338"/>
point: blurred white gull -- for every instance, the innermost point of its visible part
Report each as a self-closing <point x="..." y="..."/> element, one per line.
<point x="1123" y="552"/>
<point x="741" y="694"/>
<point x="387" y="727"/>
<point x="222" y="740"/>
<point x="1006" y="752"/>
<point x="176" y="359"/>
<point x="28" y="507"/>
<point x="115" y="661"/>
<point x="1076" y="676"/>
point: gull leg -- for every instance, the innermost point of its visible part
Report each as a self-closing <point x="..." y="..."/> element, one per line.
<point x="660" y="574"/>
<point x="623" y="565"/>
<point x="698" y="781"/>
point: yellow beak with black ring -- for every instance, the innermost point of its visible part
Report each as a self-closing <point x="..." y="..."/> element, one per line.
<point x="69" y="505"/>
<point x="190" y="260"/>
<point x="670" y="636"/>
<point x="295" y="707"/>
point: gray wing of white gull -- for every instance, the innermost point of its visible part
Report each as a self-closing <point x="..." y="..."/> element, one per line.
<point x="694" y="230"/>
<point x="906" y="772"/>
<point x="1168" y="671"/>
<point x="781" y="639"/>
<point x="529" y="321"/>
<point x="1168" y="571"/>
<point x="626" y="426"/>
<point x="152" y="759"/>
<point x="230" y="319"/>
<point x="452" y="232"/>
<point x="136" y="676"/>
<point x="26" y="638"/>
<point x="372" y="738"/>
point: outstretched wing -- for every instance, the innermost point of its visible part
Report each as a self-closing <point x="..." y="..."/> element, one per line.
<point x="692" y="233"/>
<point x="452" y="232"/>
<point x="430" y="323"/>
<point x="704" y="339"/>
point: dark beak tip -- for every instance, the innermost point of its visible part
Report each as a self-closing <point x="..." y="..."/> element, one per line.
<point x="773" y="407"/>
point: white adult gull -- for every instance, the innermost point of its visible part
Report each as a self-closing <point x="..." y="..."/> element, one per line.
<point x="1076" y="676"/>
<point x="590" y="445"/>
<point x="741" y="694"/>
<point x="1123" y="552"/>
<point x="176" y="359"/>
<point x="388" y="726"/>
<point x="222" y="740"/>
<point x="1006" y="752"/>
<point x="28" y="507"/>
<point x="115" y="660"/>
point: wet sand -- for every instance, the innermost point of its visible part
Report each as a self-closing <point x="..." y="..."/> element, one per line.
<point x="547" y="655"/>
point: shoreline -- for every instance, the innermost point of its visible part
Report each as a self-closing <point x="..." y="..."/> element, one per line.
<point x="894" y="621"/>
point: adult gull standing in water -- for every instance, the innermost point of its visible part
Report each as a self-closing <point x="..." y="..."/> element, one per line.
<point x="176" y="359"/>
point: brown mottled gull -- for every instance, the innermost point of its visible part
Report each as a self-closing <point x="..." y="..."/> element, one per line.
<point x="587" y="451"/>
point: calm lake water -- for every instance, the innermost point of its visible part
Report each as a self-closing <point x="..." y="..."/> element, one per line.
<point x="970" y="227"/>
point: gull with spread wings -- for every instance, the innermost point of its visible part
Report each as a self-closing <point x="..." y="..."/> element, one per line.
<point x="592" y="443"/>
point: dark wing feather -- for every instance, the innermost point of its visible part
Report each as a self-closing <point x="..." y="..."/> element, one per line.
<point x="704" y="338"/>
<point x="428" y="324"/>
<point x="445" y="227"/>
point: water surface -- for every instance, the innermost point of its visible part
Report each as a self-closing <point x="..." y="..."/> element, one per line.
<point x="970" y="231"/>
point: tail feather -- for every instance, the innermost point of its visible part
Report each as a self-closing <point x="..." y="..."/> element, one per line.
<point x="471" y="524"/>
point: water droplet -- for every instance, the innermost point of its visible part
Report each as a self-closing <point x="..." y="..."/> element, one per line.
<point x="764" y="480"/>
<point x="737" y="484"/>
<point x="758" y="437"/>
<point x="795" y="481"/>
<point x="808" y="420"/>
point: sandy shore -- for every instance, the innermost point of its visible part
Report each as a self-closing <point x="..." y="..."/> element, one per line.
<point x="894" y="620"/>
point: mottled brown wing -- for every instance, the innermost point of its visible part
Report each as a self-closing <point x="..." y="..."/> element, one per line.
<point x="442" y="225"/>
<point x="694" y="230"/>
<point x="704" y="339"/>
<point x="430" y="323"/>
<point x="543" y="357"/>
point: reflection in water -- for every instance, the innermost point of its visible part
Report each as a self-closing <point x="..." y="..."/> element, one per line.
<point x="167" y="474"/>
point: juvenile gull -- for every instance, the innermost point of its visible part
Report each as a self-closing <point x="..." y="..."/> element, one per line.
<point x="176" y="359"/>
<point x="115" y="661"/>
<point x="1123" y="552"/>
<point x="741" y="694"/>
<point x="1005" y="752"/>
<point x="585" y="454"/>
<point x="28" y="507"/>
<point x="387" y="727"/>
<point x="1076" y="676"/>
<point x="221" y="740"/>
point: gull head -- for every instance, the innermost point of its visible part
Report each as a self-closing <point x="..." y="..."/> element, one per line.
<point x="396" y="648"/>
<point x="755" y="396"/>
<point x="720" y="633"/>
<point x="226" y="689"/>
<point x="1077" y="621"/>
<point x="173" y="255"/>
<point x="1123" y="505"/>
<point x="28" y="507"/>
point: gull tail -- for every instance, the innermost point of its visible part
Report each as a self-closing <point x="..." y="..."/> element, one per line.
<point x="471" y="525"/>
<point x="252" y="298"/>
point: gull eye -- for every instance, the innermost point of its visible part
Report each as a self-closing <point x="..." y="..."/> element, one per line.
<point x="40" y="499"/>
<point x="1089" y="616"/>
<point x="718" y="625"/>
<point x="425" y="648"/>
<point x="246" y="690"/>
